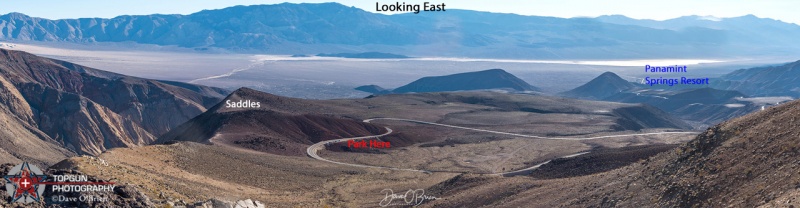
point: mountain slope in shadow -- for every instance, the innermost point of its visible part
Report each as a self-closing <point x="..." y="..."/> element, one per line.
<point x="87" y="110"/>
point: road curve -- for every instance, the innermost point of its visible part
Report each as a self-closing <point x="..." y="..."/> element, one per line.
<point x="313" y="149"/>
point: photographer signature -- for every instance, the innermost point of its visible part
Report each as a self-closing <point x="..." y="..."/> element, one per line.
<point x="411" y="197"/>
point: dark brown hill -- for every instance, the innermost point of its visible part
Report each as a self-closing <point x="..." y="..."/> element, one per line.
<point x="280" y="125"/>
<point x="607" y="84"/>
<point x="374" y="89"/>
<point x="88" y="110"/>
<point x="480" y="80"/>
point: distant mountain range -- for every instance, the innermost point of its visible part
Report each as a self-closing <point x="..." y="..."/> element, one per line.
<point x="749" y="27"/>
<point x="479" y="80"/>
<point x="335" y="28"/>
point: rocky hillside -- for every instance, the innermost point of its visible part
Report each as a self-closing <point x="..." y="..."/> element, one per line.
<point x="748" y="161"/>
<point x="87" y="110"/>
<point x="20" y="141"/>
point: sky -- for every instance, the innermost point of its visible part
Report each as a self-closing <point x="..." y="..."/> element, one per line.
<point x="784" y="10"/>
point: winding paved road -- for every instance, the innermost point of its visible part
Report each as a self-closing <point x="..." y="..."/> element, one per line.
<point x="313" y="149"/>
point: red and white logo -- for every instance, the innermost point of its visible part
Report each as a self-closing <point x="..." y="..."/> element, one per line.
<point x="23" y="183"/>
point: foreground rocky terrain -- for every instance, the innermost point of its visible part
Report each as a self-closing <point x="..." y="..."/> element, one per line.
<point x="746" y="162"/>
<point x="190" y="172"/>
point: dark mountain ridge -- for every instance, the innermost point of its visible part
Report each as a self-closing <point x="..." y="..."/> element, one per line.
<point x="479" y="80"/>
<point x="781" y="80"/>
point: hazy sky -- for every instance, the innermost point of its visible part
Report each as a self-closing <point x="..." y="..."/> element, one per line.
<point x="785" y="10"/>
